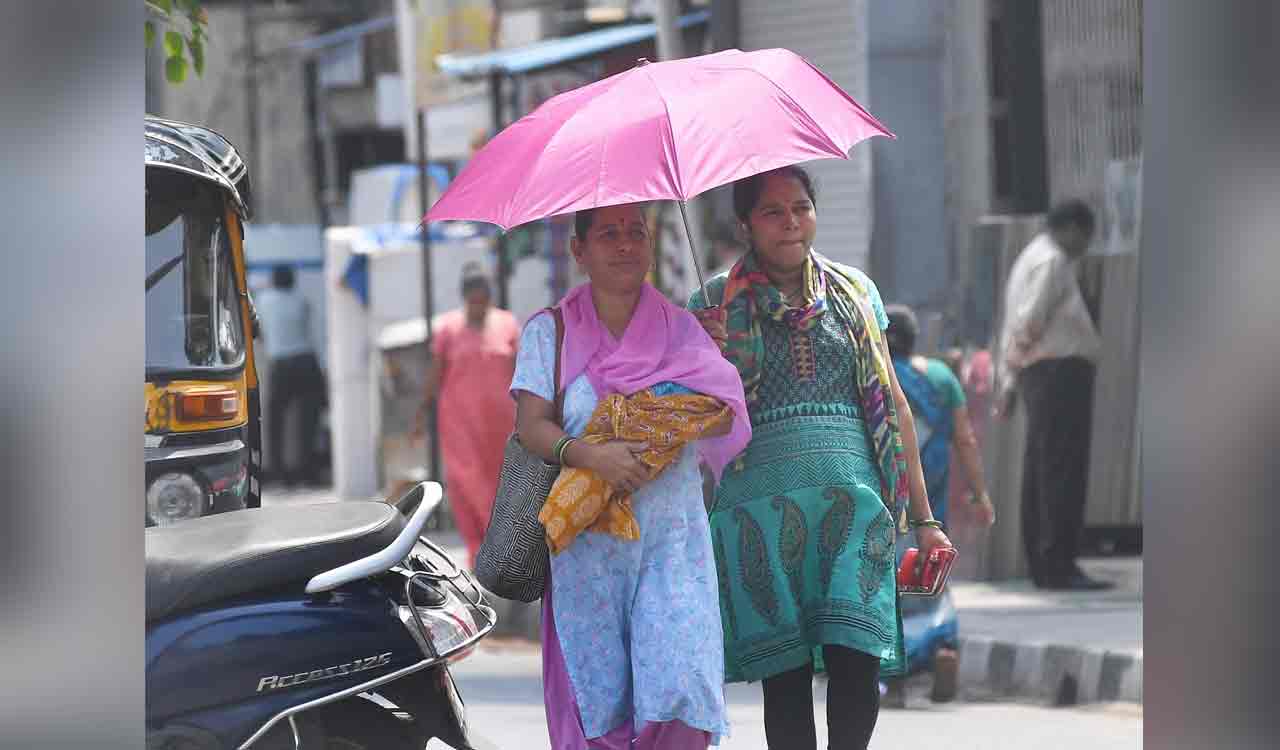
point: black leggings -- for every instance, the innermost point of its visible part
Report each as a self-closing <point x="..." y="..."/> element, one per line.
<point x="853" y="703"/>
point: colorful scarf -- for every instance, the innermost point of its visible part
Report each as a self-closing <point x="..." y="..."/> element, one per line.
<point x="663" y="343"/>
<point x="581" y="499"/>
<point x="749" y="297"/>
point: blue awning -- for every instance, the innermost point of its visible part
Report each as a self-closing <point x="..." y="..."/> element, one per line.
<point x="343" y="35"/>
<point x="554" y="52"/>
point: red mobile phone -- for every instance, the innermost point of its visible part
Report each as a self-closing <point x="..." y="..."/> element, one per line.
<point x="928" y="579"/>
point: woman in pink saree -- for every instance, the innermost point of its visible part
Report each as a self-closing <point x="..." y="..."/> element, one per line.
<point x="473" y="356"/>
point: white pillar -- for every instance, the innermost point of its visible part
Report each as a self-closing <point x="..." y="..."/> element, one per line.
<point x="353" y="426"/>
<point x="407" y="54"/>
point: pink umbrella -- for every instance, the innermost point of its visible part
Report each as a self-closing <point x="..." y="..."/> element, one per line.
<point x="660" y="131"/>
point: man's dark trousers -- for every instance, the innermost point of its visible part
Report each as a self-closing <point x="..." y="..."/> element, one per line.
<point x="1058" y="394"/>
<point x="295" y="378"/>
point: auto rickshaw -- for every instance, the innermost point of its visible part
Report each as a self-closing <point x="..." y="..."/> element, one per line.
<point x="203" y="442"/>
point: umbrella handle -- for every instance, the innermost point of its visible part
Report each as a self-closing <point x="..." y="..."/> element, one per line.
<point x="697" y="264"/>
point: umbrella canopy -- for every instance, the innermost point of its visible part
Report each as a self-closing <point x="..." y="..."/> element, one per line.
<point x="660" y="131"/>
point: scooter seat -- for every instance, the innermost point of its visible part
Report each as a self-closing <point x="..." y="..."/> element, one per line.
<point x="206" y="559"/>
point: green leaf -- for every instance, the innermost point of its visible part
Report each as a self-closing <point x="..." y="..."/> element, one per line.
<point x="173" y="44"/>
<point x="151" y="33"/>
<point x="195" y="12"/>
<point x="175" y="69"/>
<point x="197" y="54"/>
<point x="165" y="6"/>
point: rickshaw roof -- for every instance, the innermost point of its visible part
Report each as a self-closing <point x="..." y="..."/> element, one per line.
<point x="200" y="152"/>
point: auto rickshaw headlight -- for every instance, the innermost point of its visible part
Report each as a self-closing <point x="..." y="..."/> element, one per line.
<point x="175" y="497"/>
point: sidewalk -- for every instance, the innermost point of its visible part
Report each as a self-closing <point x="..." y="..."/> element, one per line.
<point x="1062" y="648"/>
<point x="1016" y="642"/>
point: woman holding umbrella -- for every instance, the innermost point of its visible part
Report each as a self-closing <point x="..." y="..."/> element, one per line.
<point x="804" y="522"/>
<point x="632" y="653"/>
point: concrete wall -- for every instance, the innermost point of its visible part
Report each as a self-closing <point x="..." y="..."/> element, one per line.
<point x="831" y="34"/>
<point x="282" y="175"/>
<point x="909" y="248"/>
<point x="928" y="82"/>
<point x="966" y="133"/>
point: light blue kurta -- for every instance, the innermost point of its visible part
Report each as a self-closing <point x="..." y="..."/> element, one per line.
<point x="638" y="621"/>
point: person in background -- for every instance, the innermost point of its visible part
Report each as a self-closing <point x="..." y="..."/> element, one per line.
<point x="938" y="404"/>
<point x="804" y="519"/>
<point x="953" y="358"/>
<point x="1048" y="345"/>
<point x="473" y="355"/>
<point x="295" y="377"/>
<point x="942" y="427"/>
<point x="975" y="375"/>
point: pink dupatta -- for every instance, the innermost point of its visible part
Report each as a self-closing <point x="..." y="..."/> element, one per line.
<point x="662" y="343"/>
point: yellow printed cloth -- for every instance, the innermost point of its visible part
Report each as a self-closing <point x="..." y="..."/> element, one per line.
<point x="582" y="500"/>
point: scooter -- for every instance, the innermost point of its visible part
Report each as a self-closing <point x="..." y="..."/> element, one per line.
<point x="321" y="626"/>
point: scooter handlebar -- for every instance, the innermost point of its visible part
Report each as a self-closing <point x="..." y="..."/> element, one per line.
<point x="389" y="556"/>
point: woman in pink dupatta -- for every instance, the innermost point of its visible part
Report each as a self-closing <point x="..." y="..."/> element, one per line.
<point x="632" y="649"/>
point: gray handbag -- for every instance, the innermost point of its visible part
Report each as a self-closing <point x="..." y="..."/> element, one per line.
<point x="513" y="561"/>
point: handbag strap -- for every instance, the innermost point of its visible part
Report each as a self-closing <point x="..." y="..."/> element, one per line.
<point x="559" y="400"/>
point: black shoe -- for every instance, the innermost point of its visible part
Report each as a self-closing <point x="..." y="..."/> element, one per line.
<point x="1076" y="582"/>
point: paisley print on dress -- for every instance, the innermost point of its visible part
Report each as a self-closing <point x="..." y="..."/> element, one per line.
<point x="793" y="535"/>
<point x="754" y="567"/>
<point x="722" y="572"/>
<point x="876" y="554"/>
<point x="833" y="534"/>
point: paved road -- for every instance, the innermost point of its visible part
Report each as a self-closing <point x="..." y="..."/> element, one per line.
<point x="503" y="691"/>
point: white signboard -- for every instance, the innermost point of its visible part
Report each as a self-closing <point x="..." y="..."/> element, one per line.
<point x="1123" y="209"/>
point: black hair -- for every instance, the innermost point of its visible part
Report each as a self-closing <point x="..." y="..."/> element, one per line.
<point x="474" y="277"/>
<point x="1071" y="212"/>
<point x="903" y="330"/>
<point x="722" y="233"/>
<point x="584" y="219"/>
<point x="746" y="192"/>
<point x="582" y="222"/>
<point x="282" y="277"/>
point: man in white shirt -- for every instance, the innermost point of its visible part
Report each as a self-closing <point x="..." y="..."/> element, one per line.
<point x="294" y="376"/>
<point x="1048" y="345"/>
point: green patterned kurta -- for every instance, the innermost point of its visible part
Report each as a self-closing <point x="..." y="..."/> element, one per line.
<point x="803" y="543"/>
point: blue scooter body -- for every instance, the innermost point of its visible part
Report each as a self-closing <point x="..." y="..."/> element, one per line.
<point x="277" y="629"/>
<point x="229" y="669"/>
